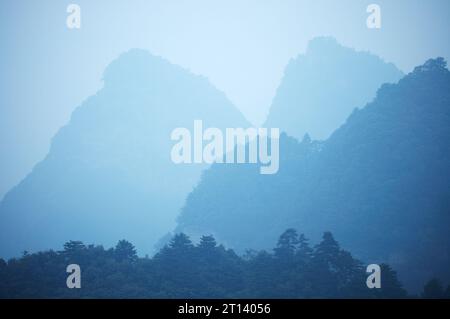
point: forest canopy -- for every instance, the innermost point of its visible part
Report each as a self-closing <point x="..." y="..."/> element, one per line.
<point x="182" y="269"/>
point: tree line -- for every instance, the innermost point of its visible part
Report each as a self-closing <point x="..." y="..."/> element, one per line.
<point x="182" y="269"/>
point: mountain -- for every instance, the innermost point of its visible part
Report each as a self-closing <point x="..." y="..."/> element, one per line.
<point x="108" y="173"/>
<point x="380" y="183"/>
<point x="321" y="88"/>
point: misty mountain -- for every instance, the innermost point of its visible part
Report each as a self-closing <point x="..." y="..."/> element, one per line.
<point x="108" y="173"/>
<point x="321" y="88"/>
<point x="380" y="183"/>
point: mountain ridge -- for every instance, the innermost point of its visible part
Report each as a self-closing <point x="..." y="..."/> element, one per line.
<point x="108" y="172"/>
<point x="380" y="182"/>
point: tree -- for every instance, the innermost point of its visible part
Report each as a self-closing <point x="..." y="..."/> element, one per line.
<point x="391" y="287"/>
<point x="74" y="246"/>
<point x="73" y="250"/>
<point x="3" y="264"/>
<point x="181" y="242"/>
<point x="351" y="276"/>
<point x="324" y="269"/>
<point x="207" y="243"/>
<point x="327" y="251"/>
<point x="125" y="251"/>
<point x="261" y="276"/>
<point x="304" y="251"/>
<point x="208" y="252"/>
<point x="207" y="270"/>
<point x="287" y="245"/>
<point x="433" y="290"/>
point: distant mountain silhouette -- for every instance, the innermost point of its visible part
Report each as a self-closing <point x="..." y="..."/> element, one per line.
<point x="380" y="183"/>
<point x="321" y="88"/>
<point x="108" y="173"/>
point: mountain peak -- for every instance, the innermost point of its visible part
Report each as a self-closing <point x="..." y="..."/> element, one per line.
<point x="139" y="67"/>
<point x="322" y="87"/>
<point x="387" y="164"/>
<point x="134" y="60"/>
<point x="116" y="143"/>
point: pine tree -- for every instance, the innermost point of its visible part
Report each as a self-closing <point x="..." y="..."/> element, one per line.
<point x="74" y="251"/>
<point x="74" y="246"/>
<point x="125" y="251"/>
<point x="181" y="242"/>
<point x="323" y="273"/>
<point x="207" y="243"/>
<point x="433" y="290"/>
<point x="391" y="288"/>
<point x="304" y="251"/>
<point x="328" y="251"/>
<point x="287" y="245"/>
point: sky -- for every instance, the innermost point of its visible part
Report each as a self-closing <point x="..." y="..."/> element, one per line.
<point x="241" y="46"/>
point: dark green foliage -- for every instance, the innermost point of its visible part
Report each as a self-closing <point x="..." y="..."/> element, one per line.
<point x="380" y="183"/>
<point x="206" y="270"/>
<point x="434" y="290"/>
<point x="73" y="248"/>
<point x="390" y="285"/>
<point x="125" y="251"/>
<point x="287" y="245"/>
<point x="181" y="243"/>
<point x="207" y="243"/>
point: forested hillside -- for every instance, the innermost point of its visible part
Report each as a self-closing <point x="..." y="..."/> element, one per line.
<point x="380" y="183"/>
<point x="293" y="269"/>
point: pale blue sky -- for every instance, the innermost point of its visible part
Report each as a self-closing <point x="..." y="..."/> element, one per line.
<point x="242" y="46"/>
